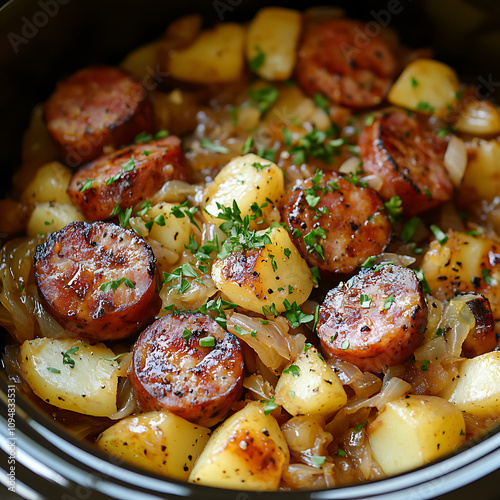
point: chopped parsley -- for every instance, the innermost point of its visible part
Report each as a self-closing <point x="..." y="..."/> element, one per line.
<point x="183" y="210"/>
<point x="208" y="144"/>
<point x="425" y="106"/>
<point x="322" y="102"/>
<point x="263" y="97"/>
<point x="180" y="274"/>
<point x="360" y="426"/>
<point x="145" y="137"/>
<point x="53" y="370"/>
<point x="269" y="406"/>
<point x="208" y="341"/>
<point x="368" y="263"/>
<point x="365" y="301"/>
<point x="420" y="275"/>
<point x="318" y="461"/>
<point x="414" y="82"/>
<point x="294" y="314"/>
<point x="389" y="301"/>
<point x="293" y="370"/>
<point x="345" y="345"/>
<point x="410" y="229"/>
<point x="489" y="280"/>
<point x="394" y="208"/>
<point x="123" y="215"/>
<point x="311" y="241"/>
<point x="67" y="359"/>
<point x="186" y="335"/>
<point x="440" y="236"/>
<point x="114" y="284"/>
<point x="258" y="60"/>
<point x="87" y="185"/>
<point x="424" y="367"/>
<point x="247" y="146"/>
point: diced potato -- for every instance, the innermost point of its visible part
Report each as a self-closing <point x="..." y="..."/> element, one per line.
<point x="312" y="388"/>
<point x="240" y="180"/>
<point x="274" y="32"/>
<point x="425" y="85"/>
<point x="477" y="388"/>
<point x="246" y="452"/>
<point x="479" y="118"/>
<point x="52" y="216"/>
<point x="482" y="177"/>
<point x="167" y="229"/>
<point x="158" y="441"/>
<point x="215" y="56"/>
<point x="89" y="387"/>
<point x="253" y="279"/>
<point x="463" y="264"/>
<point x="414" y="430"/>
<point x="38" y="149"/>
<point x="49" y="184"/>
<point x="142" y="63"/>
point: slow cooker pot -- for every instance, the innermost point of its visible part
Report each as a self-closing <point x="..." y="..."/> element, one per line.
<point x="42" y="41"/>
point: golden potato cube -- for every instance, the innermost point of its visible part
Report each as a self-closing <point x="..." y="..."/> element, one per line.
<point x="158" y="441"/>
<point x="312" y="388"/>
<point x="51" y="216"/>
<point x="49" y="184"/>
<point x="215" y="56"/>
<point x="273" y="35"/>
<point x="260" y="277"/>
<point x="477" y="388"/>
<point x="246" y="452"/>
<point x="413" y="431"/>
<point x="425" y="85"/>
<point x="247" y="179"/>
<point x="89" y="386"/>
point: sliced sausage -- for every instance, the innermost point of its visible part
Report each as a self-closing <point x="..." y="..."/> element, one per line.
<point x="172" y="371"/>
<point x="96" y="107"/>
<point x="409" y="159"/>
<point x="127" y="177"/>
<point x="348" y="222"/>
<point x="339" y="59"/>
<point x="482" y="338"/>
<point x="73" y="265"/>
<point x="376" y="319"/>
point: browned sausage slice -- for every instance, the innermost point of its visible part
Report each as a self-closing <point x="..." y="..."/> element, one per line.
<point x="347" y="221"/>
<point x="96" y="107"/>
<point x="482" y="338"/>
<point x="338" y="59"/>
<point x="173" y="370"/>
<point x="409" y="159"/>
<point x="75" y="263"/>
<point x="376" y="319"/>
<point x="127" y="177"/>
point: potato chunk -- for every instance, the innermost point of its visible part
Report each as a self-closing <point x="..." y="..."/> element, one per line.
<point x="87" y="384"/>
<point x="247" y="179"/>
<point x="49" y="184"/>
<point x="477" y="388"/>
<point x="413" y="431"/>
<point x="158" y="441"/>
<point x="464" y="263"/>
<point x="482" y="176"/>
<point x="52" y="216"/>
<point x="274" y="32"/>
<point x="310" y="387"/>
<point x="215" y="56"/>
<point x="260" y="277"/>
<point x="247" y="452"/>
<point x="171" y="231"/>
<point x="425" y="85"/>
<point x="479" y="118"/>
